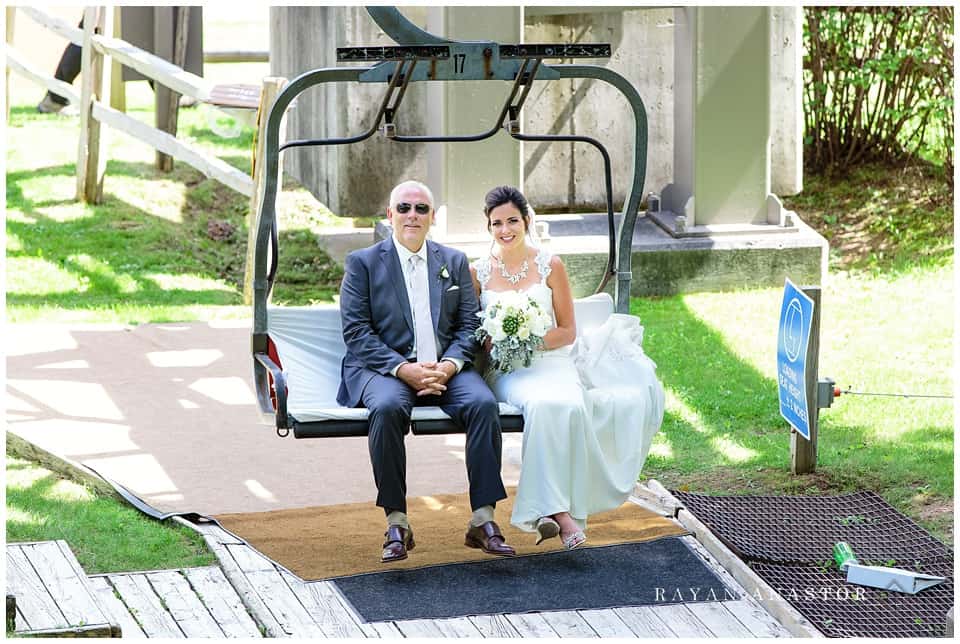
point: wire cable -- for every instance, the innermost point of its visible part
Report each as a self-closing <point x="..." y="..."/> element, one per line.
<point x="869" y="393"/>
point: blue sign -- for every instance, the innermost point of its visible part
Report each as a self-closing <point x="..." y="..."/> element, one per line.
<point x="796" y="316"/>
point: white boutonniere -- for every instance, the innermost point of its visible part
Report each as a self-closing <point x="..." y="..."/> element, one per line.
<point x="444" y="274"/>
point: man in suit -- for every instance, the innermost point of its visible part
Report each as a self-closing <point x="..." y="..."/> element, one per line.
<point x="409" y="313"/>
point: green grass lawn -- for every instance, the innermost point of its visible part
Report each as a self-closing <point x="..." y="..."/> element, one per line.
<point x="146" y="254"/>
<point x="723" y="433"/>
<point x="105" y="534"/>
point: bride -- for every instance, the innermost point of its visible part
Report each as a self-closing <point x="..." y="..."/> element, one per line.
<point x="583" y="446"/>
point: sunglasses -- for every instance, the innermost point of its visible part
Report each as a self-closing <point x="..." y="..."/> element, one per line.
<point x="404" y="207"/>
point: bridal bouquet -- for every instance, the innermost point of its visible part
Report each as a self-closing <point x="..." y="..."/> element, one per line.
<point x="515" y="324"/>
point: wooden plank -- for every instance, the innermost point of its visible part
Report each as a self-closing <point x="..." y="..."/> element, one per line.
<point x="117" y="612"/>
<point x="681" y="621"/>
<point x="91" y="162"/>
<point x="249" y="559"/>
<point x="184" y="606"/>
<point x="136" y="592"/>
<point x="568" y="623"/>
<point x="160" y="70"/>
<point x="803" y="452"/>
<point x="530" y="625"/>
<point x="419" y="628"/>
<point x="268" y="94"/>
<point x="325" y="610"/>
<point x="54" y="24"/>
<point x="248" y="594"/>
<point x="643" y="621"/>
<point x="758" y="621"/>
<point x="606" y="623"/>
<point x="494" y="626"/>
<point x="222" y="601"/>
<point x="118" y="89"/>
<point x="67" y="587"/>
<point x="236" y="56"/>
<point x="384" y="630"/>
<point x="457" y="627"/>
<point x="718" y="619"/>
<point x="23" y="68"/>
<point x="761" y="591"/>
<point x="34" y="603"/>
<point x="92" y="630"/>
<point x="167" y="100"/>
<point x="284" y="605"/>
<point x="11" y="14"/>
<point x="210" y="166"/>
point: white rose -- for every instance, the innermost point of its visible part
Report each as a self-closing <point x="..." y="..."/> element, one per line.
<point x="498" y="335"/>
<point x="523" y="333"/>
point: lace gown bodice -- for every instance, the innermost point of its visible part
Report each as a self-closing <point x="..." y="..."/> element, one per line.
<point x="539" y="292"/>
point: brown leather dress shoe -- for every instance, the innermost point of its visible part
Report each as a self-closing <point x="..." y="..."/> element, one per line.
<point x="488" y="538"/>
<point x="398" y="542"/>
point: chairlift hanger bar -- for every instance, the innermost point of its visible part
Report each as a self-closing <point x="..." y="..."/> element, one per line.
<point x="406" y="52"/>
<point x="497" y="67"/>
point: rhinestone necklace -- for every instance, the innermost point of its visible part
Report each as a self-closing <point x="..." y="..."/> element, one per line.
<point x="515" y="278"/>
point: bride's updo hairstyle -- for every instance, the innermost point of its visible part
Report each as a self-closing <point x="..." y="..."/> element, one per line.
<point x="507" y="194"/>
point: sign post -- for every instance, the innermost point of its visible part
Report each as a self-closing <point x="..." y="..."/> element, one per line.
<point x="798" y="348"/>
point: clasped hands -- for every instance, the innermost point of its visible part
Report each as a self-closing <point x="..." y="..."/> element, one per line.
<point x="427" y="378"/>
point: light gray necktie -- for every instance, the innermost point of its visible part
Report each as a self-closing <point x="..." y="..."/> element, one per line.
<point x="422" y="320"/>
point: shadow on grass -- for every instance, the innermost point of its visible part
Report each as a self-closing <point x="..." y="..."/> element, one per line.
<point x="724" y="435"/>
<point x="105" y="535"/>
<point x="119" y="253"/>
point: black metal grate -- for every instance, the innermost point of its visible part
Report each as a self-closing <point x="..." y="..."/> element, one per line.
<point x="789" y="542"/>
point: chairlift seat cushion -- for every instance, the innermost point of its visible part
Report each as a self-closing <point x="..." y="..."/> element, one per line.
<point x="309" y="343"/>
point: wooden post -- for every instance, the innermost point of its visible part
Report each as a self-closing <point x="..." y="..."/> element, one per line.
<point x="118" y="90"/>
<point x="271" y="87"/>
<point x="11" y="15"/>
<point x="91" y="162"/>
<point x="168" y="101"/>
<point x="803" y="452"/>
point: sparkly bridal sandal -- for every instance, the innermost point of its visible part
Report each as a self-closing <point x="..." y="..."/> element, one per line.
<point x="575" y="540"/>
<point x="547" y="528"/>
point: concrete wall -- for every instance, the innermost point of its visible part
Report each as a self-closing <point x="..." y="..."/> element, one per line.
<point x="353" y="180"/>
<point x="565" y="175"/>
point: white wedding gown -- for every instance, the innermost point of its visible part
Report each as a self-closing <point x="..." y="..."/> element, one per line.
<point x="590" y="412"/>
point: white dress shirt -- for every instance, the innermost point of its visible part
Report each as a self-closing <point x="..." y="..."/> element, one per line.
<point x="405" y="254"/>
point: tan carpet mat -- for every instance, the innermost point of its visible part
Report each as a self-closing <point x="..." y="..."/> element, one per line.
<point x="332" y="541"/>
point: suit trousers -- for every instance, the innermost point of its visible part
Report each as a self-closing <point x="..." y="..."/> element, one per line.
<point x="468" y="401"/>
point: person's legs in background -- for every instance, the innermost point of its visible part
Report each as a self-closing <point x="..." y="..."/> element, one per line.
<point x="67" y="70"/>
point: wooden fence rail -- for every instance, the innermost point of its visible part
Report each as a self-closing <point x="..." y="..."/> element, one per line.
<point x="95" y="87"/>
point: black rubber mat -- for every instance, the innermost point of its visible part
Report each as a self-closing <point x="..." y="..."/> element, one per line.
<point x="664" y="571"/>
<point x="788" y="541"/>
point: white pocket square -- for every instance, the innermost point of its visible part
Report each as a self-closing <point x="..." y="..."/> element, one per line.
<point x="453" y="288"/>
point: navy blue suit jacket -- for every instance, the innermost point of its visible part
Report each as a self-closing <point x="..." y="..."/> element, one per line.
<point x="375" y="312"/>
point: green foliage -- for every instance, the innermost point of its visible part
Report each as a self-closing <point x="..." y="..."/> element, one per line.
<point x="878" y="85"/>
<point x="880" y="219"/>
<point x="42" y="507"/>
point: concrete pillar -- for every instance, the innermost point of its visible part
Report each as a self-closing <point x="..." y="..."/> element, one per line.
<point x="786" y="100"/>
<point x="722" y="118"/>
<point x="460" y="174"/>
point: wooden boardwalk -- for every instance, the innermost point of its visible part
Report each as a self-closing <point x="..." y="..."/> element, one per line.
<point x="289" y="607"/>
<point x="55" y="596"/>
<point x="248" y="595"/>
